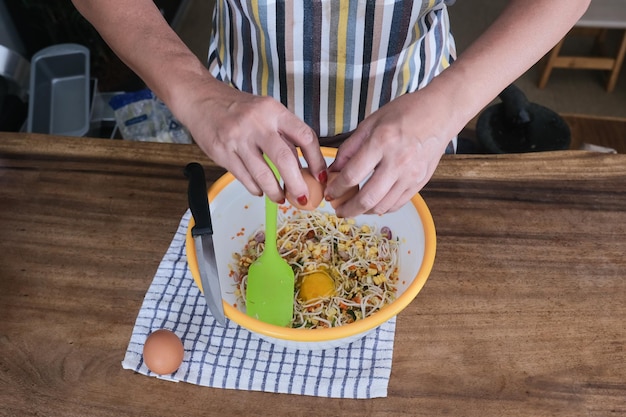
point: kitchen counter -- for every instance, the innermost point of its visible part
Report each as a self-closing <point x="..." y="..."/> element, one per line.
<point x="524" y="313"/>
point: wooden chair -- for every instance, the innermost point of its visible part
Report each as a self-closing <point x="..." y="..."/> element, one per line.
<point x="602" y="16"/>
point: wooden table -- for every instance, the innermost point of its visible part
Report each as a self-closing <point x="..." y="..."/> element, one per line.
<point x="524" y="312"/>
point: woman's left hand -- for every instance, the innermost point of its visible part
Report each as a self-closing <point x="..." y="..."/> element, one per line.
<point x="400" y="145"/>
<point x="402" y="142"/>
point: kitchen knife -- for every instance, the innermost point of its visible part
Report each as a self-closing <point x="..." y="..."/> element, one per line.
<point x="202" y="233"/>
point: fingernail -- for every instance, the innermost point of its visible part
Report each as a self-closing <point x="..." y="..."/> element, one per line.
<point x="323" y="177"/>
<point x="302" y="200"/>
<point x="281" y="201"/>
<point x="328" y="198"/>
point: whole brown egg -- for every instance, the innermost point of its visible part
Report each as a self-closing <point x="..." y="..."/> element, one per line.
<point x="163" y="352"/>
<point x="316" y="192"/>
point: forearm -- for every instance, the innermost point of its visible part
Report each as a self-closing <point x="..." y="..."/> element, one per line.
<point x="516" y="40"/>
<point x="140" y="36"/>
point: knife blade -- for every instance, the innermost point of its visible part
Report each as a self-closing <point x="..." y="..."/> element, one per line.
<point x="202" y="233"/>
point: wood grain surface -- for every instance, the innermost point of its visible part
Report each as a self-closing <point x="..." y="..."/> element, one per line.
<point x="524" y="313"/>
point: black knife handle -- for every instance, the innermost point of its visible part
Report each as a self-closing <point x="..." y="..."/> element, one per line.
<point x="198" y="200"/>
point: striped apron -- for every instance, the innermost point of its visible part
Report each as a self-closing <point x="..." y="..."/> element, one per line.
<point x="331" y="62"/>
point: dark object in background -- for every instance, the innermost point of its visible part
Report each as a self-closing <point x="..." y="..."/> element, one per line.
<point x="13" y="110"/>
<point x="515" y="125"/>
<point x="14" y="74"/>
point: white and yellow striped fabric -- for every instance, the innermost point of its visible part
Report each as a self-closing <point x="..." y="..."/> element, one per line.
<point x="331" y="62"/>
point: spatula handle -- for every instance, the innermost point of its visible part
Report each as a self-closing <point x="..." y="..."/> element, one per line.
<point x="271" y="213"/>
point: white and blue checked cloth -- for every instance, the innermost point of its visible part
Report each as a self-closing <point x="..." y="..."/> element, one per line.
<point x="234" y="358"/>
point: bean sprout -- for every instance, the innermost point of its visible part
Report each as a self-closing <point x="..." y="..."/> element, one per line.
<point x="361" y="260"/>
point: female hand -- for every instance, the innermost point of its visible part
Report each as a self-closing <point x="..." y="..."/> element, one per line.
<point x="235" y="128"/>
<point x="400" y="145"/>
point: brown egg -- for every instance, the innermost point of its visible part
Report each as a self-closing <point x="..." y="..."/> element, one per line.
<point x="346" y="196"/>
<point x="163" y="352"/>
<point x="316" y="192"/>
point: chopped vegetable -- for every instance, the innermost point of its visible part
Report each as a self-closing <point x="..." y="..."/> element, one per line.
<point x="344" y="272"/>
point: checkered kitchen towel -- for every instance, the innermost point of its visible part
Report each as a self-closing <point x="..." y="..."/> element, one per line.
<point x="232" y="357"/>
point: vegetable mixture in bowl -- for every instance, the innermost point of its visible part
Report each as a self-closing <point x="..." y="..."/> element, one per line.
<point x="343" y="272"/>
<point x="352" y="275"/>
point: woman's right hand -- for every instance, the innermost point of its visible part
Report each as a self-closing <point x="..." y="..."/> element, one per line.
<point x="235" y="129"/>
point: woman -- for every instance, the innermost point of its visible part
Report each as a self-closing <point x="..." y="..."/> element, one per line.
<point x="377" y="78"/>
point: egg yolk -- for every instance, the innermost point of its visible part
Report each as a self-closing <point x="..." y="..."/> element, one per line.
<point x="316" y="285"/>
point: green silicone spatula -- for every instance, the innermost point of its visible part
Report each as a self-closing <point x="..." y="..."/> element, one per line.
<point x="270" y="290"/>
